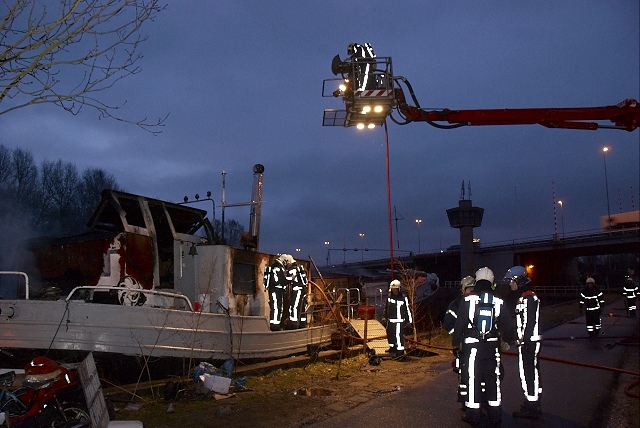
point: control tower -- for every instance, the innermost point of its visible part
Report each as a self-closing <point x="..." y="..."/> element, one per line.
<point x="465" y="217"/>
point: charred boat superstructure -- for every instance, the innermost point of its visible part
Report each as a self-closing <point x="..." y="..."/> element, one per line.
<point x="149" y="279"/>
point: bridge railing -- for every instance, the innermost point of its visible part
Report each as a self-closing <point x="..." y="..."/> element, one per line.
<point x="559" y="289"/>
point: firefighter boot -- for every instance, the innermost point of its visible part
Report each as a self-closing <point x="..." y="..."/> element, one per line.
<point x="472" y="416"/>
<point x="528" y="410"/>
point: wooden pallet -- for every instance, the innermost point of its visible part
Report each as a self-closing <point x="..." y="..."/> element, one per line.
<point x="376" y="335"/>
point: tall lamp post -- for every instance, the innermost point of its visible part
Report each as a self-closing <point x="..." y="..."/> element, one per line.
<point x="605" y="149"/>
<point x="326" y="243"/>
<point x="561" y="217"/>
<point x="362" y="245"/>
<point x="418" y="222"/>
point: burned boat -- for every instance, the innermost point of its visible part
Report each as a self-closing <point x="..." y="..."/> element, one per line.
<point x="149" y="280"/>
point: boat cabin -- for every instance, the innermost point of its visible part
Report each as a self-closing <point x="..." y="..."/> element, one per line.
<point x="140" y="242"/>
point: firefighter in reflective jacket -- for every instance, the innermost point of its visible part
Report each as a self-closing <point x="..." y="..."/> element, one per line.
<point x="630" y="292"/>
<point x="398" y="314"/>
<point x="449" y="324"/>
<point x="276" y="283"/>
<point x="298" y="298"/>
<point x="477" y="340"/>
<point x="591" y="300"/>
<point x="528" y="340"/>
<point x="365" y="59"/>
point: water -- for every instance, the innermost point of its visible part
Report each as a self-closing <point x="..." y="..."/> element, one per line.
<point x="308" y="392"/>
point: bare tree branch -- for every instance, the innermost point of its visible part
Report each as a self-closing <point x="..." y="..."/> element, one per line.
<point x="68" y="52"/>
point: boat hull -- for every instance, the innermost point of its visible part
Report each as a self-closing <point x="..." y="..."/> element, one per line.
<point x="75" y="325"/>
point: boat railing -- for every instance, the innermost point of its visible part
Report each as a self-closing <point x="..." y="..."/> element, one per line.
<point x="344" y="297"/>
<point x="26" y="283"/>
<point x="130" y="297"/>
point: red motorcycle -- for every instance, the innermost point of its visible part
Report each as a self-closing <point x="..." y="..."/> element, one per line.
<point x="51" y="396"/>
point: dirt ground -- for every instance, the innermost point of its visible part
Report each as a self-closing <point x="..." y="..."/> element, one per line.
<point x="297" y="396"/>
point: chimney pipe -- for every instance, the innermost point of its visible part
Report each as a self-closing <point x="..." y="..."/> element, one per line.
<point x="256" y="204"/>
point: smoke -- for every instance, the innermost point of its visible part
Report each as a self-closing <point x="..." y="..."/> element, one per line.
<point x="15" y="231"/>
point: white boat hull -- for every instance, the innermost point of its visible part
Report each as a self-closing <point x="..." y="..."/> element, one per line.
<point x="75" y="325"/>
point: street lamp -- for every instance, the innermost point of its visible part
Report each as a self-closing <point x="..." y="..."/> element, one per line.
<point x="605" y="149"/>
<point x="418" y="222"/>
<point x="561" y="217"/>
<point x="327" y="244"/>
<point x="362" y="244"/>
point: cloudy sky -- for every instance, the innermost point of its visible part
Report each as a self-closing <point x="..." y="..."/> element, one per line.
<point x="242" y="83"/>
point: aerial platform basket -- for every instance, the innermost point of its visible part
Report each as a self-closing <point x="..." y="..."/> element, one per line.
<point x="366" y="105"/>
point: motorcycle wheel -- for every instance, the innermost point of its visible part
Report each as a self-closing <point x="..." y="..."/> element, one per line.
<point x="76" y="417"/>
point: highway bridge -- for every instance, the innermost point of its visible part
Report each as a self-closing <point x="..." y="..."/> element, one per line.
<point x="554" y="260"/>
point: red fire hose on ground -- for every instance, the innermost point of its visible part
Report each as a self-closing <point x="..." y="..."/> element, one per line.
<point x="627" y="341"/>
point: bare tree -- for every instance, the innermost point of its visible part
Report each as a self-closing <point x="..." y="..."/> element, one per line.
<point x="93" y="182"/>
<point x="24" y="176"/>
<point x="233" y="229"/>
<point x="59" y="190"/>
<point x="66" y="52"/>
<point x="410" y="281"/>
<point x="5" y="164"/>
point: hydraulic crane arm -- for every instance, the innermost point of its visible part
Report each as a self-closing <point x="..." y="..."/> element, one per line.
<point x="371" y="93"/>
<point x="625" y="116"/>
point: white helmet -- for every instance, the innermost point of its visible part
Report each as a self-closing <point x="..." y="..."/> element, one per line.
<point x="466" y="282"/>
<point x="485" y="274"/>
<point x="394" y="284"/>
<point x="591" y="280"/>
<point x="285" y="259"/>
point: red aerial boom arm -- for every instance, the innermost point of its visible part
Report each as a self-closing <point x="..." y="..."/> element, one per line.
<point x="372" y="94"/>
<point x="625" y="115"/>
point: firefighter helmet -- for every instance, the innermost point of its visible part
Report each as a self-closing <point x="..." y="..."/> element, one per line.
<point x="41" y="372"/>
<point x="284" y="259"/>
<point x="591" y="281"/>
<point x="466" y="282"/>
<point x="484" y="274"/>
<point x="519" y="275"/>
<point x="394" y="284"/>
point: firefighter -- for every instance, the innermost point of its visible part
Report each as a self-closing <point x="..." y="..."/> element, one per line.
<point x="477" y="340"/>
<point x="397" y="314"/>
<point x="592" y="301"/>
<point x="528" y="341"/>
<point x="298" y="298"/>
<point x="449" y="323"/>
<point x="630" y="292"/>
<point x="363" y="58"/>
<point x="276" y="283"/>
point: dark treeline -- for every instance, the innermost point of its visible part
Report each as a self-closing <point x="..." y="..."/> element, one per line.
<point x="54" y="199"/>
